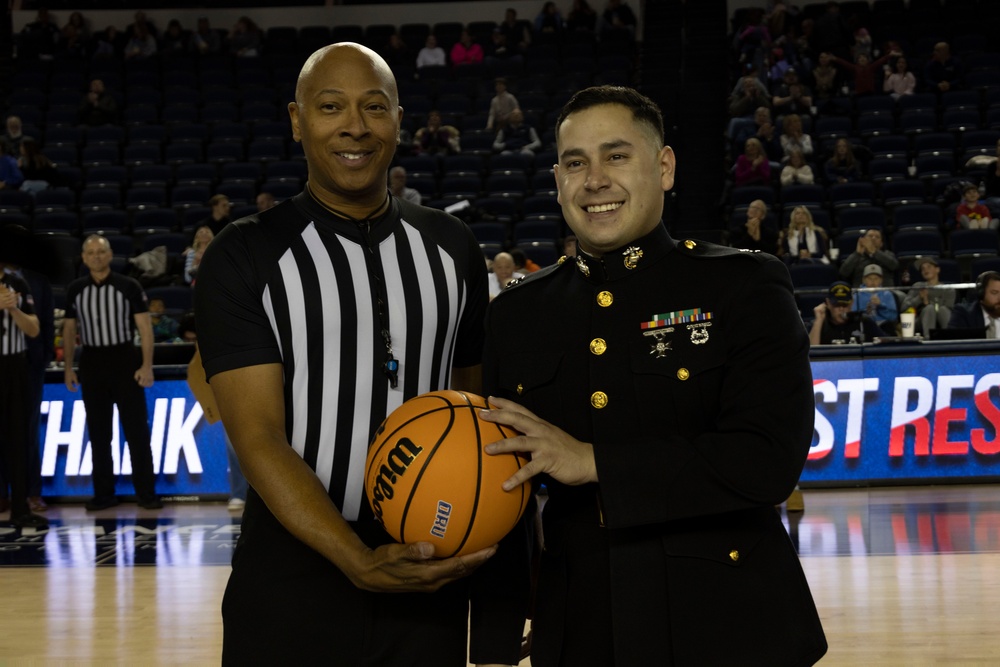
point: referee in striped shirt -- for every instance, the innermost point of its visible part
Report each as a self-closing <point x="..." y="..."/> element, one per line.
<point x="110" y="308"/>
<point x="17" y="320"/>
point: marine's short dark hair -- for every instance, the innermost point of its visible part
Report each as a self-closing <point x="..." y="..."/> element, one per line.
<point x="643" y="109"/>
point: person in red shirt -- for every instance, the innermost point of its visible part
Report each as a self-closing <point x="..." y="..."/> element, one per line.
<point x="973" y="214"/>
<point x="466" y="51"/>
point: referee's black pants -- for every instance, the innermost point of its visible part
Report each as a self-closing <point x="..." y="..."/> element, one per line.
<point x="14" y="429"/>
<point x="107" y="377"/>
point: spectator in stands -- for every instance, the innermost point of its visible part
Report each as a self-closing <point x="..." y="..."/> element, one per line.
<point x="74" y="38"/>
<point x="435" y="138"/>
<point x="991" y="180"/>
<point x="753" y="167"/>
<point x="763" y="130"/>
<point x="140" y="19"/>
<point x="778" y="66"/>
<point x="108" y="44"/>
<point x="503" y="273"/>
<point x="863" y="71"/>
<point x="842" y="167"/>
<point x="431" y="55"/>
<point x="245" y="39"/>
<point x="265" y="200"/>
<point x="466" y="51"/>
<point x="971" y="213"/>
<point x="498" y="50"/>
<point x="219" y="215"/>
<point x="501" y="106"/>
<point x="757" y="233"/>
<point x="517" y="137"/>
<point x="983" y="313"/>
<point x="831" y="32"/>
<point x="203" y="235"/>
<point x="862" y="44"/>
<point x="825" y="79"/>
<point x="14" y="135"/>
<point x="900" y="82"/>
<point x="581" y="17"/>
<point x="797" y="171"/>
<point x="932" y="303"/>
<point x="141" y="44"/>
<point x="397" y="53"/>
<point x="943" y="72"/>
<point x="549" y="23"/>
<point x="98" y="106"/>
<point x="205" y="39"/>
<point x="39" y="38"/>
<point x="793" y="138"/>
<point x="164" y="327"/>
<point x="753" y="40"/>
<point x="175" y="39"/>
<point x="397" y="186"/>
<point x="38" y="171"/>
<point x="522" y="263"/>
<point x="869" y="250"/>
<point x="803" y="242"/>
<point x="618" y="17"/>
<point x="10" y="174"/>
<point x="879" y="305"/>
<point x="516" y="32"/>
<point x="791" y="96"/>
<point x="748" y="96"/>
<point x="835" y="322"/>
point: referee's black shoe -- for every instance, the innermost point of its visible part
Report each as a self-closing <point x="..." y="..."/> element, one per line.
<point x="151" y="503"/>
<point x="30" y="520"/>
<point x="101" y="503"/>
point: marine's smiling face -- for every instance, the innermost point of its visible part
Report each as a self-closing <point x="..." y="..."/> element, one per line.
<point x="611" y="176"/>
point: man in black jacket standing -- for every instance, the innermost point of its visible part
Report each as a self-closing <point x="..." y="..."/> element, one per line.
<point x="665" y="396"/>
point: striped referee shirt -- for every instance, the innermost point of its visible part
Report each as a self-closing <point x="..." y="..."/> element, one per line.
<point x="12" y="339"/>
<point x="105" y="311"/>
<point x="299" y="286"/>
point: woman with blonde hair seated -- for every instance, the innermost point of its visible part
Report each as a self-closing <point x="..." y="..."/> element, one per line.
<point x="797" y="172"/>
<point x="793" y="138"/>
<point x="803" y="241"/>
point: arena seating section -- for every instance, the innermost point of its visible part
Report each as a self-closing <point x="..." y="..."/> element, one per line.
<point x="911" y="151"/>
<point x="194" y="126"/>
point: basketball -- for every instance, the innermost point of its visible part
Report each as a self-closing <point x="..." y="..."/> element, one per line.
<point x="428" y="479"/>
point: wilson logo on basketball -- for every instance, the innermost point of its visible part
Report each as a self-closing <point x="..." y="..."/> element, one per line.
<point x="396" y="462"/>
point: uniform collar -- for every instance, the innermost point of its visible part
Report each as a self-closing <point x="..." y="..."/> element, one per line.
<point x="325" y="218"/>
<point x="628" y="260"/>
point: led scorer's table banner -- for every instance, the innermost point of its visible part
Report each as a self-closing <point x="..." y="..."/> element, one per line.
<point x="919" y="418"/>
<point x="879" y="418"/>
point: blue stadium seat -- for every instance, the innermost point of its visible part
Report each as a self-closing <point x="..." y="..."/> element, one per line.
<point x="973" y="242"/>
<point x="917" y="217"/>
<point x="861" y="217"/>
<point x="911" y="244"/>
<point x="851" y="194"/>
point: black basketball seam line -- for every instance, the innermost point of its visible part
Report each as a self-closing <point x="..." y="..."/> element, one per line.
<point x="386" y="439"/>
<point x="416" y="482"/>
<point x="479" y="475"/>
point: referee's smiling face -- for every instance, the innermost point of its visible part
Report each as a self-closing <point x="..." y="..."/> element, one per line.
<point x="346" y="114"/>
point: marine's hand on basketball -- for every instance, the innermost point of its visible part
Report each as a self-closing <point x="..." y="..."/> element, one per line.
<point x="552" y="450"/>
<point x="398" y="568"/>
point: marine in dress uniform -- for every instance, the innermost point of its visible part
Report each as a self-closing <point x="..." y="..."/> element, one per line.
<point x="681" y="372"/>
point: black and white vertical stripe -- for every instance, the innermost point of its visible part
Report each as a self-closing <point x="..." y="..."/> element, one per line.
<point x="12" y="340"/>
<point x="323" y="309"/>
<point x="104" y="316"/>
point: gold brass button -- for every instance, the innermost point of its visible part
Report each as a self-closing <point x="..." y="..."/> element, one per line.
<point x="689" y="244"/>
<point x="598" y="399"/>
<point x="520" y="389"/>
<point x="734" y="555"/>
<point x="683" y="374"/>
<point x="561" y="259"/>
<point x="604" y="299"/>
<point x="598" y="346"/>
